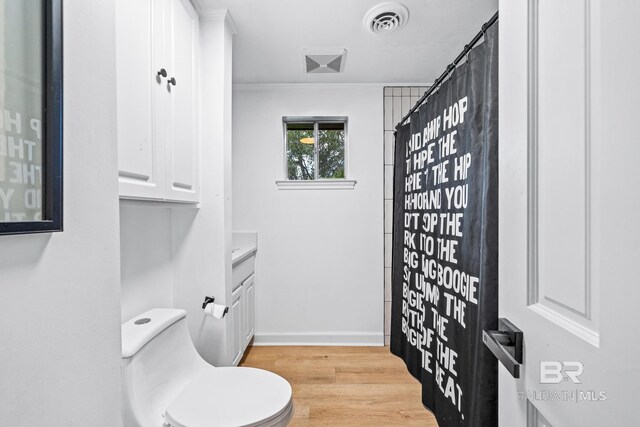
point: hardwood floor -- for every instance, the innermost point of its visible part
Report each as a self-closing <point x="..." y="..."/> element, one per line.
<point x="345" y="386"/>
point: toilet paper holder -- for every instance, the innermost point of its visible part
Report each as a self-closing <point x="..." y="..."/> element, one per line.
<point x="211" y="300"/>
<point x="207" y="301"/>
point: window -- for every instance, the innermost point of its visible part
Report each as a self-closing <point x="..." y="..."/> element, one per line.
<point x="315" y="148"/>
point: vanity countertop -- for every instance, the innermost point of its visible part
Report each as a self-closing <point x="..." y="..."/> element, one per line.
<point x="239" y="254"/>
<point x="243" y="246"/>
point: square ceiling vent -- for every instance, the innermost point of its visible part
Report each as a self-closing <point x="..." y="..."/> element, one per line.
<point x="321" y="61"/>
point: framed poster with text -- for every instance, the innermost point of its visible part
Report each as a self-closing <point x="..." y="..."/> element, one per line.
<point x="30" y="116"/>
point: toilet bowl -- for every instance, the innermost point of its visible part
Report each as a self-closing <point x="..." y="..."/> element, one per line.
<point x="166" y="382"/>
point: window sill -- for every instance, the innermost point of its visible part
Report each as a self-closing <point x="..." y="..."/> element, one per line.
<point x="320" y="184"/>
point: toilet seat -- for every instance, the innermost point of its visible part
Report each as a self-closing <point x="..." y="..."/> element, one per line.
<point x="232" y="397"/>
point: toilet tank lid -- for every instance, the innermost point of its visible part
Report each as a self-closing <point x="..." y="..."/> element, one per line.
<point x="144" y="327"/>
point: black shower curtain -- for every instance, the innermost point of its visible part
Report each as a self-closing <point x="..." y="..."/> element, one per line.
<point x="445" y="242"/>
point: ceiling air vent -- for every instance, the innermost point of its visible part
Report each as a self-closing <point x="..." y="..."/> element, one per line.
<point x="317" y="61"/>
<point x="386" y="18"/>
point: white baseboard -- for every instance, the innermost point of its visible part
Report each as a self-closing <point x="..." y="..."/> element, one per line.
<point x="319" y="338"/>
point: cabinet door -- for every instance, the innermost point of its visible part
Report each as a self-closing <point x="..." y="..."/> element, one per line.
<point x="249" y="309"/>
<point x="182" y="136"/>
<point x="139" y="28"/>
<point x="236" y="325"/>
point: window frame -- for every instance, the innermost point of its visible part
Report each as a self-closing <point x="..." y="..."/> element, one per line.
<point x="315" y="120"/>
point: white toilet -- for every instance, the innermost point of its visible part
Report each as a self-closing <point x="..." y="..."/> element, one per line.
<point x="167" y="383"/>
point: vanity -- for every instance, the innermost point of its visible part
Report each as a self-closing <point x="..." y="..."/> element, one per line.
<point x="242" y="305"/>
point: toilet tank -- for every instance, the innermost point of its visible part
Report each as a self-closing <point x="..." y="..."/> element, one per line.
<point x="158" y="361"/>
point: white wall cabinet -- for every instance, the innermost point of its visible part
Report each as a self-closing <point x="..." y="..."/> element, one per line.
<point x="157" y="75"/>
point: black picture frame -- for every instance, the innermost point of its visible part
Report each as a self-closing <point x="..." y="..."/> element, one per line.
<point x="52" y="140"/>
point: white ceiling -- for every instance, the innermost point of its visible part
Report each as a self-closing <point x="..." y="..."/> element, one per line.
<point x="272" y="34"/>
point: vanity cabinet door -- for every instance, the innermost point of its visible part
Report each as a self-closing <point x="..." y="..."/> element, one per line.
<point x="250" y="309"/>
<point x="236" y="324"/>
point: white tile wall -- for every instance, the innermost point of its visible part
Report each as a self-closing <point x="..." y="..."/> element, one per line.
<point x="387" y="284"/>
<point x="397" y="110"/>
<point x="388" y="117"/>
<point x="387" y="315"/>
<point x="389" y="144"/>
<point x="388" y="216"/>
<point x="405" y="105"/>
<point x="387" y="253"/>
<point x="397" y="103"/>
<point x="388" y="182"/>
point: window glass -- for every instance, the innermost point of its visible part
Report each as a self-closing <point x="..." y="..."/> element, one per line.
<point x="331" y="150"/>
<point x="301" y="157"/>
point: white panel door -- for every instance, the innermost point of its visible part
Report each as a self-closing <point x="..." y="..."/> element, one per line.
<point x="250" y="308"/>
<point x="182" y="136"/>
<point x="569" y="209"/>
<point x="139" y="28"/>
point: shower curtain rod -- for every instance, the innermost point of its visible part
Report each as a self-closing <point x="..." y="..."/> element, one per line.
<point x="450" y="68"/>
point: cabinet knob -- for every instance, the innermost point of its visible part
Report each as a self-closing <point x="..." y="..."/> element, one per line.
<point x="162" y="72"/>
<point x="172" y="81"/>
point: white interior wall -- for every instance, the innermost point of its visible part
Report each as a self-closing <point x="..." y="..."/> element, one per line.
<point x="145" y="266"/>
<point x="59" y="293"/>
<point x="319" y="267"/>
